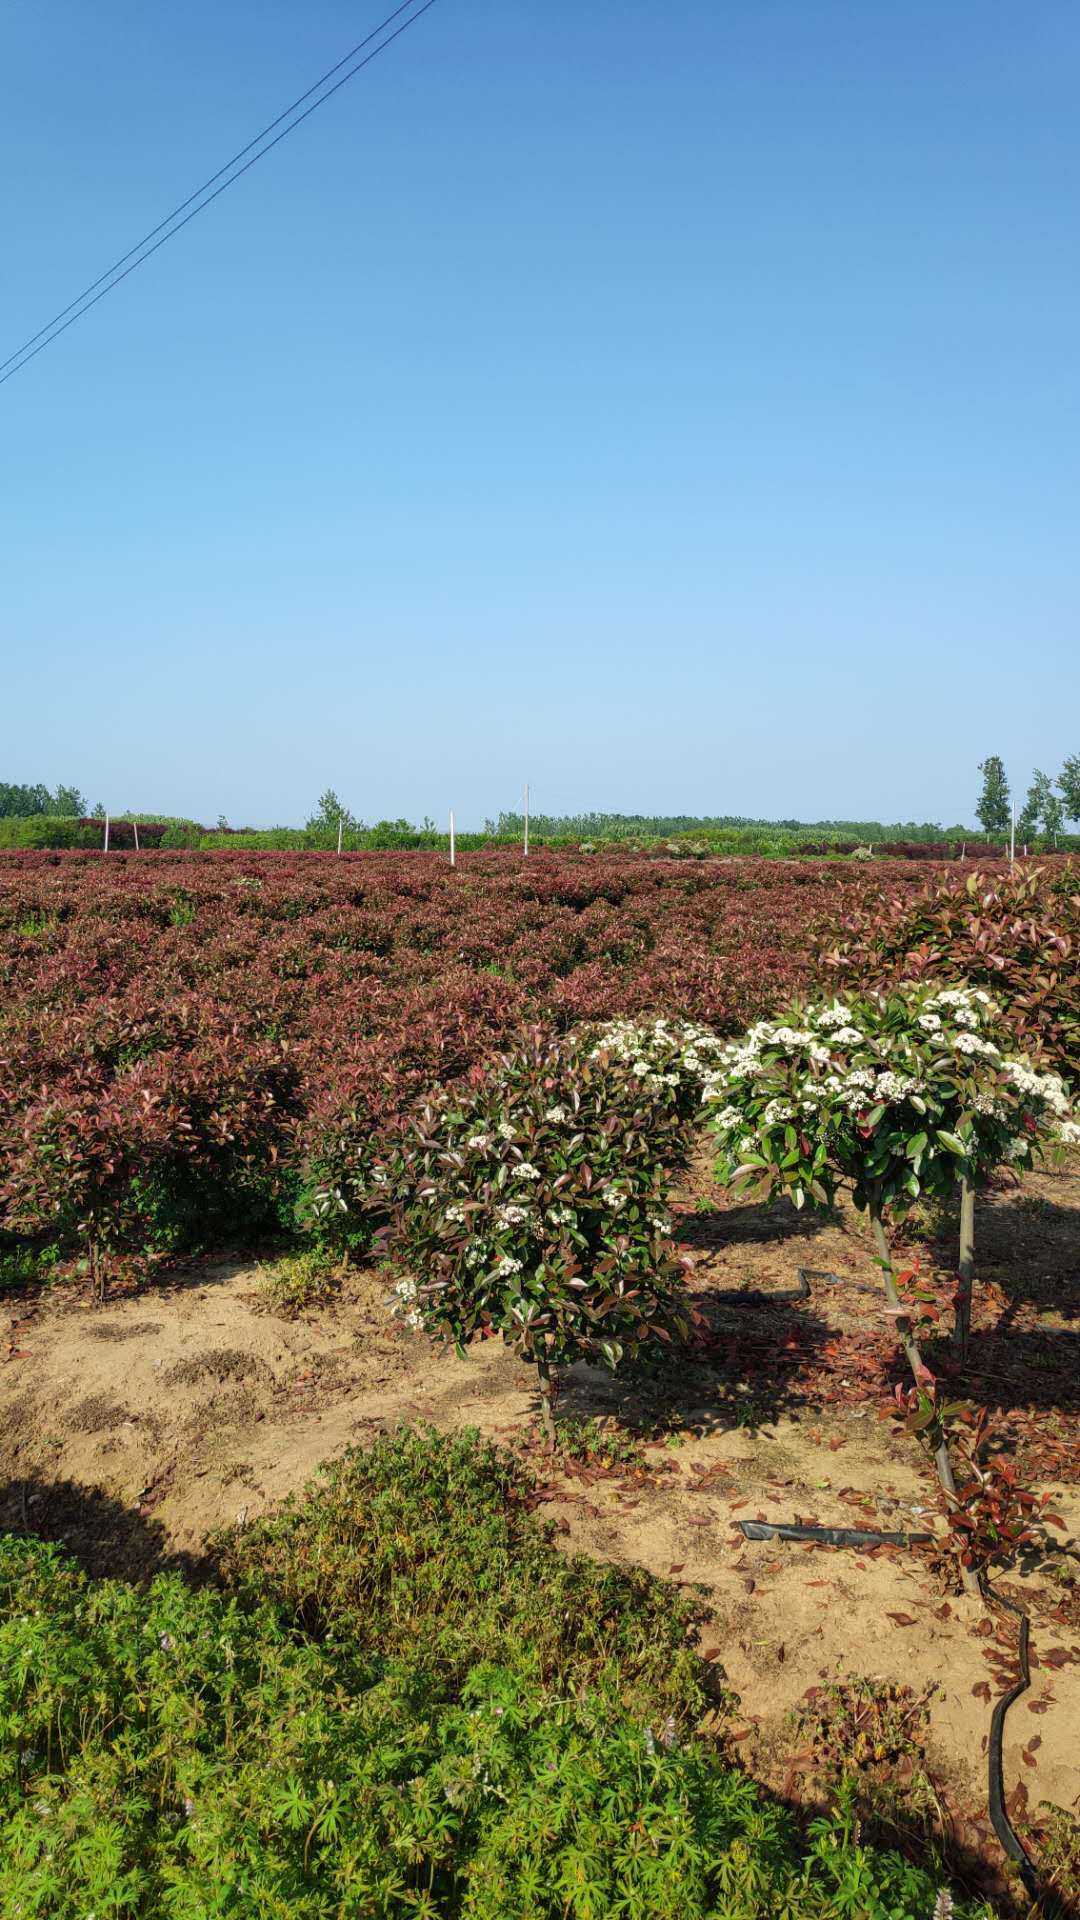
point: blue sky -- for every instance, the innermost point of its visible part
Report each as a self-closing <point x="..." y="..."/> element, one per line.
<point x="676" y="407"/>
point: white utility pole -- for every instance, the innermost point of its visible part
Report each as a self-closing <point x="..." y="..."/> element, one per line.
<point x="526" y="819"/>
<point x="135" y="826"/>
<point x="339" y="825"/>
<point x="1012" y="837"/>
<point x="105" y="848"/>
<point x="453" y="855"/>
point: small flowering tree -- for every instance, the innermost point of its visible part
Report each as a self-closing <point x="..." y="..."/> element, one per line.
<point x="895" y="1096"/>
<point x="534" y="1206"/>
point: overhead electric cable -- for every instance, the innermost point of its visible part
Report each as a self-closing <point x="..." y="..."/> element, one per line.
<point x="82" y="304"/>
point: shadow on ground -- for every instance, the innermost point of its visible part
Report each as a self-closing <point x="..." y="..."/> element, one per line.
<point x="714" y="1230"/>
<point x="107" y="1538"/>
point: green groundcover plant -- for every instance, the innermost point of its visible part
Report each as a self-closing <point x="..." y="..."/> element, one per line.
<point x="167" y="1751"/>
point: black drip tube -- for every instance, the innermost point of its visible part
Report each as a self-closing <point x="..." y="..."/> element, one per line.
<point x="857" y="1537"/>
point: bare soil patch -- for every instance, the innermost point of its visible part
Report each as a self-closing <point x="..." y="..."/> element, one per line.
<point x="133" y="1430"/>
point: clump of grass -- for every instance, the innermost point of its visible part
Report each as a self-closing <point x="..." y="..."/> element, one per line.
<point x="1060" y="1842"/>
<point x="297" y="1281"/>
<point x="23" y="1266"/>
<point x="868" y="1739"/>
<point x="597" y="1443"/>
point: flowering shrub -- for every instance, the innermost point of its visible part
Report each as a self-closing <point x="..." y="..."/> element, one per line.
<point x="895" y="1095"/>
<point x="534" y="1205"/>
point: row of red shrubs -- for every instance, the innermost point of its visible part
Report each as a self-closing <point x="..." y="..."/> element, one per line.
<point x="192" y="1046"/>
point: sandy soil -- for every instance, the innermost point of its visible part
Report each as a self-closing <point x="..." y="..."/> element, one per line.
<point x="132" y="1430"/>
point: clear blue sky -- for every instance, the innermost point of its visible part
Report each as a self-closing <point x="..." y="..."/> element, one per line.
<point x="674" y="405"/>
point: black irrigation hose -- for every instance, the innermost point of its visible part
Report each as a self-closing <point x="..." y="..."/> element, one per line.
<point x="999" y="1819"/>
<point x="830" y="1536"/>
<point x="857" y="1537"/>
<point x="762" y="1297"/>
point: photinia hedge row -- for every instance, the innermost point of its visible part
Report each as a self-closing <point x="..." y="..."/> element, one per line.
<point x="200" y="1045"/>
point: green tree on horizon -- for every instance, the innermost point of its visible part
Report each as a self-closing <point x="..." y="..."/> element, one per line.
<point x="1069" y="783"/>
<point x="992" y="807"/>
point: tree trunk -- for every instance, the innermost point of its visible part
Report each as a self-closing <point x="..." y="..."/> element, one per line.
<point x="549" y="1393"/>
<point x="962" y="1324"/>
<point x="917" y="1365"/>
<point x="97" y="1274"/>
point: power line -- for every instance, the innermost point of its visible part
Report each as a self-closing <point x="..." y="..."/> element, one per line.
<point x="82" y="304"/>
<point x="170" y="217"/>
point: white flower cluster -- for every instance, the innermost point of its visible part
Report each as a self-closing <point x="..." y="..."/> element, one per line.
<point x="664" y="1053"/>
<point x="868" y="1069"/>
<point x="403" y="1303"/>
<point x="1048" y="1088"/>
<point x="1048" y="1092"/>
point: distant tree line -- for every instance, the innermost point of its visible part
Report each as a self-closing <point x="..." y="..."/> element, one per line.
<point x="23" y="803"/>
<point x="1049" y="805"/>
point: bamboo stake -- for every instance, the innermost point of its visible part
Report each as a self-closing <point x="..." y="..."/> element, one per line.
<point x="339" y="827"/>
<point x="526" y="819"/>
<point x="453" y="855"/>
<point x="105" y="848"/>
<point x="135" y="827"/>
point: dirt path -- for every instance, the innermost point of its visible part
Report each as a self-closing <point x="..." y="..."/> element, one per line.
<point x="132" y="1431"/>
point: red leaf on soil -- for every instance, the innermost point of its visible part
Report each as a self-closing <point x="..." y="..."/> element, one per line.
<point x="677" y="1566"/>
<point x="903" y="1619"/>
<point x="981" y="1690"/>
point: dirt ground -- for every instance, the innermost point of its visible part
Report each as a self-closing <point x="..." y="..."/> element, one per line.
<point x="132" y="1430"/>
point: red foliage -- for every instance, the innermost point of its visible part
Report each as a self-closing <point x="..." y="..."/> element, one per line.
<point x="184" y="1031"/>
<point x="1015" y="933"/>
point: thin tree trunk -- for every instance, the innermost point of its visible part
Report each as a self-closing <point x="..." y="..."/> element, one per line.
<point x="548" y="1395"/>
<point x="916" y="1363"/>
<point x="962" y="1324"/>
